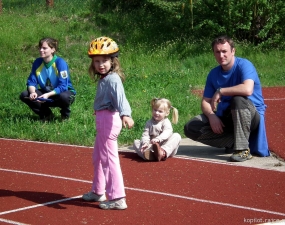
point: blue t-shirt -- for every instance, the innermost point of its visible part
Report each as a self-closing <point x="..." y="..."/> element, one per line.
<point x="242" y="70"/>
<point x="53" y="76"/>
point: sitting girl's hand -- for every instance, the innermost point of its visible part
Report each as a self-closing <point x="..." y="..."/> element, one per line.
<point x="144" y="147"/>
<point x="153" y="141"/>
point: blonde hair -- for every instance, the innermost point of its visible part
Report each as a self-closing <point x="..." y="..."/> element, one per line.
<point x="157" y="102"/>
<point x="116" y="68"/>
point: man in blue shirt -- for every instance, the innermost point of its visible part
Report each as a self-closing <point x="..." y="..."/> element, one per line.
<point x="232" y="105"/>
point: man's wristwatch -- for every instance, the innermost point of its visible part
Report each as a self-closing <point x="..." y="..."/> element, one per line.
<point x="219" y="90"/>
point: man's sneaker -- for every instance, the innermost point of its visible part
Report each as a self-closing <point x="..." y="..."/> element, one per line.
<point x="149" y="155"/>
<point x="228" y="150"/>
<point x="241" y="155"/>
<point x="92" y="197"/>
<point x="114" y="204"/>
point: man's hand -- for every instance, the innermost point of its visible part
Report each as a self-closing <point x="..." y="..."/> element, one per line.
<point x="216" y="99"/>
<point x="216" y="124"/>
<point x="127" y="121"/>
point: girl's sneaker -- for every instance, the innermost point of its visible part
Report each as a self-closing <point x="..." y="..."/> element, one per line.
<point x="92" y="197"/>
<point x="114" y="204"/>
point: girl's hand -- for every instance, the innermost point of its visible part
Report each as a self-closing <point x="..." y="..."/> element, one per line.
<point x="144" y="147"/>
<point x="127" y="121"/>
<point x="153" y="141"/>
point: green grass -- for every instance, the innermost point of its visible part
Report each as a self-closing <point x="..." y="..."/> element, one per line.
<point x="155" y="67"/>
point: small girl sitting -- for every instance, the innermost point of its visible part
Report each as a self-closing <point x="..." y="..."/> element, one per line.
<point x="158" y="142"/>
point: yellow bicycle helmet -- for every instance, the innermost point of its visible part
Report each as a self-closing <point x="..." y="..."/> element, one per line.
<point x="103" y="46"/>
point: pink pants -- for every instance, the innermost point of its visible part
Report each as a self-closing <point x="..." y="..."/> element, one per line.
<point x="107" y="170"/>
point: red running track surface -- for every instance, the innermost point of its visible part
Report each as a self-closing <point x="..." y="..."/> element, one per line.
<point x="275" y="123"/>
<point x="35" y="176"/>
<point x="42" y="183"/>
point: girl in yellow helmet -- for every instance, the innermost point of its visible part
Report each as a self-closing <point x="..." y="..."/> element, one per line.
<point x="112" y="110"/>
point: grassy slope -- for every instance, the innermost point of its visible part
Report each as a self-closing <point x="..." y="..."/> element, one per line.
<point x="154" y="68"/>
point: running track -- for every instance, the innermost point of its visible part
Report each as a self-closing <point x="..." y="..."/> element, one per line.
<point x="42" y="183"/>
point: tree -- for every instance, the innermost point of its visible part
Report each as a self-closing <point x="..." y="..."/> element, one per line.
<point x="49" y="3"/>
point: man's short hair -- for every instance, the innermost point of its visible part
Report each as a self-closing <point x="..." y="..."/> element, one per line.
<point x="222" y="40"/>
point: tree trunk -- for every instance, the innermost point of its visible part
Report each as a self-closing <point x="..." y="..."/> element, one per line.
<point x="49" y="3"/>
<point x="0" y="6"/>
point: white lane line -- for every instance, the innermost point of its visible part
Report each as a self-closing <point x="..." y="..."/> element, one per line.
<point x="226" y="163"/>
<point x="136" y="189"/>
<point x="273" y="99"/>
<point x="276" y="222"/>
<point x="48" y="143"/>
<point x="185" y="157"/>
<point x="210" y="202"/>
<point x="39" y="205"/>
<point x="12" y="222"/>
<point x="176" y="156"/>
<point x="45" y="175"/>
